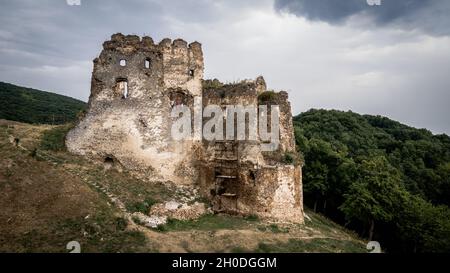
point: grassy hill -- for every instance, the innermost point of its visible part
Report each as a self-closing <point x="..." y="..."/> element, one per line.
<point x="384" y="180"/>
<point x="35" y="106"/>
<point x="50" y="197"/>
<point x="378" y="177"/>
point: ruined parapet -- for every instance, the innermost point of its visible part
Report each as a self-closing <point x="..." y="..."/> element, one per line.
<point x="287" y="138"/>
<point x="135" y="84"/>
<point x="183" y="65"/>
<point x="243" y="93"/>
<point x="170" y="65"/>
<point x="255" y="93"/>
<point x="238" y="176"/>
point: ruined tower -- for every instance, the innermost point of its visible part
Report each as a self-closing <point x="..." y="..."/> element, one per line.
<point x="136" y="84"/>
<point x="239" y="176"/>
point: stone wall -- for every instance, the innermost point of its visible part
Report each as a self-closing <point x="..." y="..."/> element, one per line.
<point x="136" y="83"/>
<point x="134" y="129"/>
<point x="240" y="178"/>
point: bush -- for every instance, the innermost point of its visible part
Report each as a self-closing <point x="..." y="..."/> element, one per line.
<point x="267" y="96"/>
<point x="211" y="84"/>
<point x="252" y="218"/>
<point x="121" y="223"/>
<point x="143" y="206"/>
<point x="54" y="139"/>
<point x="289" y="158"/>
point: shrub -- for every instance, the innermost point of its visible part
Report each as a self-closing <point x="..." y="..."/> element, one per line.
<point x="143" y="206"/>
<point x="252" y="218"/>
<point x="54" y="139"/>
<point x="267" y="96"/>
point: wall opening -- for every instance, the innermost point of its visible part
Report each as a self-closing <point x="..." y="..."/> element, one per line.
<point x="108" y="162"/>
<point x="147" y="63"/>
<point x="122" y="87"/>
<point x="179" y="98"/>
<point x="191" y="72"/>
<point x="252" y="175"/>
<point x="122" y="62"/>
<point x="16" y="141"/>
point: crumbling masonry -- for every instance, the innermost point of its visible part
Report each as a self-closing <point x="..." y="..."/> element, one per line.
<point x="136" y="83"/>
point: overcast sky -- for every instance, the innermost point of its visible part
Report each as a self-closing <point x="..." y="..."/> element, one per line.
<point x="391" y="60"/>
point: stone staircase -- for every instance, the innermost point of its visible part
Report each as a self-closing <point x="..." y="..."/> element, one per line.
<point x="226" y="166"/>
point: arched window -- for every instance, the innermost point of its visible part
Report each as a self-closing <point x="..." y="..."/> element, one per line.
<point x="122" y="62"/>
<point x="191" y="72"/>
<point x="147" y="63"/>
<point x="122" y="87"/>
<point x="179" y="98"/>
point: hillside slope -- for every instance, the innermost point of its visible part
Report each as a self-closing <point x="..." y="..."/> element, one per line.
<point x="50" y="197"/>
<point x="35" y="106"/>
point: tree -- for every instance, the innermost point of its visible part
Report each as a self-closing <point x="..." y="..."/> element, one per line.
<point x="317" y="181"/>
<point x="374" y="195"/>
<point x="370" y="170"/>
<point x="422" y="226"/>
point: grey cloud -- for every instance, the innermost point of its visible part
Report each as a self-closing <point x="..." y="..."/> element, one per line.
<point x="42" y="39"/>
<point x="430" y="16"/>
<point x="49" y="45"/>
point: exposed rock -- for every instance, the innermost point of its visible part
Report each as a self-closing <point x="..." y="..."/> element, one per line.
<point x="172" y="205"/>
<point x="149" y="221"/>
<point x="179" y="211"/>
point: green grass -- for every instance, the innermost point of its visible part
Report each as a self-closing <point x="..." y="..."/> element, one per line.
<point x="316" y="245"/>
<point x="325" y="225"/>
<point x="276" y="229"/>
<point x="137" y="195"/>
<point x="101" y="233"/>
<point x="252" y="218"/>
<point x="54" y="139"/>
<point x="208" y="222"/>
<point x="143" y="206"/>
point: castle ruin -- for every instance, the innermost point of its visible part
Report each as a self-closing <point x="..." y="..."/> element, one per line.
<point x="136" y="83"/>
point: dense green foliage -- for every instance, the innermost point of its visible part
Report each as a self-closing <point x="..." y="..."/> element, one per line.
<point x="385" y="180"/>
<point x="34" y="106"/>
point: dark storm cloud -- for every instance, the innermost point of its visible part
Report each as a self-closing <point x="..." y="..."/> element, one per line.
<point x="430" y="16"/>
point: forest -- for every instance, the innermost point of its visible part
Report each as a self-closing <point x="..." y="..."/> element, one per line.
<point x="38" y="107"/>
<point x="386" y="181"/>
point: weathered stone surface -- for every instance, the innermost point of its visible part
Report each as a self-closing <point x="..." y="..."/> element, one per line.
<point x="149" y="221"/>
<point x="133" y="129"/>
<point x="136" y="83"/>
<point x="237" y="176"/>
